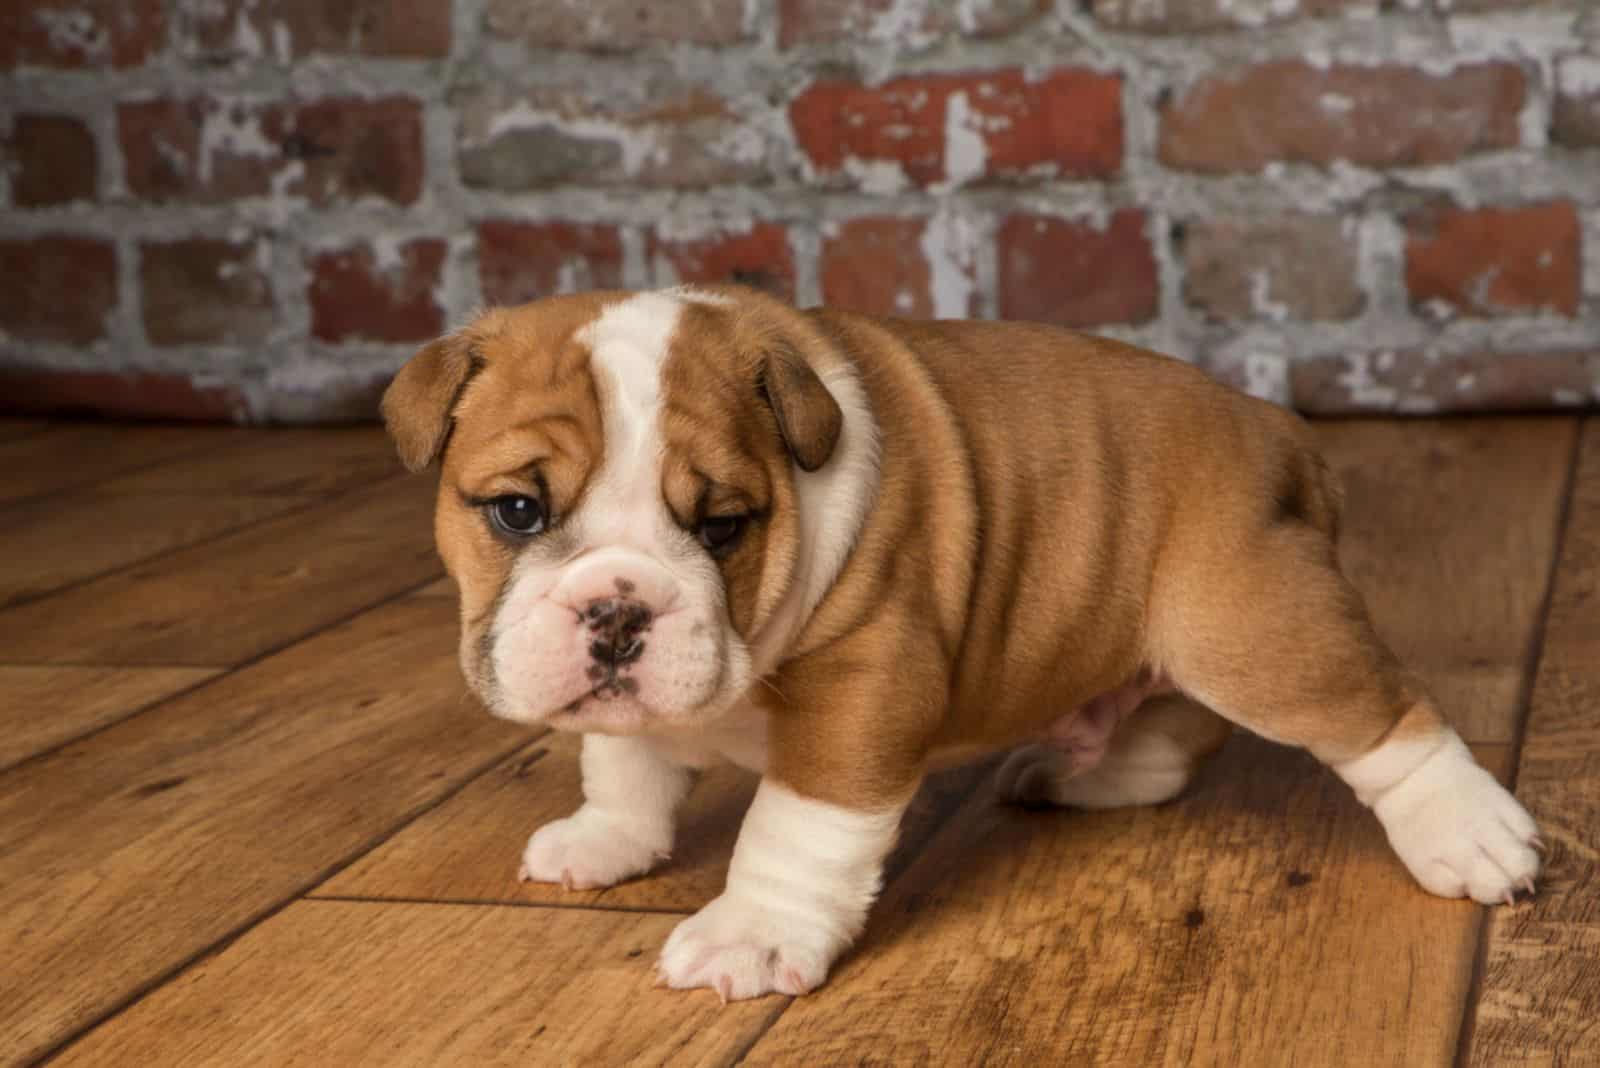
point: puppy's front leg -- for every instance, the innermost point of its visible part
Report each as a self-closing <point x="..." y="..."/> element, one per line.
<point x="631" y="793"/>
<point x="803" y="876"/>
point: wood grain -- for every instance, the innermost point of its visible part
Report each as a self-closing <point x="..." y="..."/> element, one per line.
<point x="1450" y="534"/>
<point x="1261" y="919"/>
<point x="1540" y="1000"/>
<point x="124" y="855"/>
<point x="67" y="538"/>
<point x="285" y="462"/>
<point x="83" y="454"/>
<point x="468" y="848"/>
<point x="41" y="707"/>
<point x="343" y="983"/>
<point x="239" y="595"/>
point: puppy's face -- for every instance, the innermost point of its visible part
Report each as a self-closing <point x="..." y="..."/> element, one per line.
<point x="617" y="500"/>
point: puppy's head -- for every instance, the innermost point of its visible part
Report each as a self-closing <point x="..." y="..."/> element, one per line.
<point x="617" y="500"/>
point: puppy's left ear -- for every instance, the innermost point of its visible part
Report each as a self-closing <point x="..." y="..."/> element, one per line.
<point x="808" y="416"/>
<point x="418" y="403"/>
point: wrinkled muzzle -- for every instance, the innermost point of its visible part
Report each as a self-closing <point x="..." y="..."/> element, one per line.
<point x="612" y="640"/>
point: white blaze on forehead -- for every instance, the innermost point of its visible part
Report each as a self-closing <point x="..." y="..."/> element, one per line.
<point x="628" y="345"/>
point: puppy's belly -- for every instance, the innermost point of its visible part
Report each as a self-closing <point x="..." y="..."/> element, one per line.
<point x="1085" y="732"/>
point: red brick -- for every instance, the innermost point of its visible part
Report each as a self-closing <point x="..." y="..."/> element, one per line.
<point x="1067" y="123"/>
<point x="58" y="289"/>
<point x="758" y="257"/>
<point x="519" y="262"/>
<point x="1191" y="16"/>
<point x="646" y="132"/>
<point x="880" y="266"/>
<point x="222" y="31"/>
<point x="355" y="297"/>
<point x="1074" y="274"/>
<point x="80" y="33"/>
<point x="1280" y="268"/>
<point x="1382" y="116"/>
<point x="817" y="21"/>
<point x="53" y="161"/>
<point x="1575" y="118"/>
<point x="1410" y="381"/>
<point x="616" y="25"/>
<point x="126" y="394"/>
<point x="212" y="148"/>
<point x="204" y="291"/>
<point x="161" y="147"/>
<point x="356" y="148"/>
<point x="1496" y="261"/>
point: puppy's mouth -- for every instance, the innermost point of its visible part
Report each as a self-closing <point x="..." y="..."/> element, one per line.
<point x="610" y="684"/>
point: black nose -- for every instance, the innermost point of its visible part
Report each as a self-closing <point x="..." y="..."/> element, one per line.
<point x="618" y="625"/>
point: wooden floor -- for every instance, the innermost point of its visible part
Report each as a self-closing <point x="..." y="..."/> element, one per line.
<point x="248" y="816"/>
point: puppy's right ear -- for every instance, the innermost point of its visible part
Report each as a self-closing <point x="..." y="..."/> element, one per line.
<point x="418" y="404"/>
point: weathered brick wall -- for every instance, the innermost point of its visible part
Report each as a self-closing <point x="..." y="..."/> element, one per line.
<point x="257" y="208"/>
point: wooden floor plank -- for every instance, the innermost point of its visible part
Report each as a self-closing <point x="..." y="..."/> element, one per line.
<point x="124" y="855"/>
<point x="41" y="707"/>
<point x="341" y="983"/>
<point x="1450" y="533"/>
<point x="236" y="596"/>
<point x="278" y="461"/>
<point x="1540" y="995"/>
<point x="1259" y="920"/>
<point x="468" y="848"/>
<point x="54" y="542"/>
<point x="82" y="454"/>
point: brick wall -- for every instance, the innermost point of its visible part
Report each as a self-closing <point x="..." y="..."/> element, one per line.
<point x="257" y="208"/>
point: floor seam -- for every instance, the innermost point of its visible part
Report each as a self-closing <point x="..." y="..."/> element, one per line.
<point x="35" y="596"/>
<point x="145" y="561"/>
<point x="1532" y="659"/>
<point x="493" y="903"/>
<point x="223" y="671"/>
<point x="34" y="498"/>
<point x="221" y="944"/>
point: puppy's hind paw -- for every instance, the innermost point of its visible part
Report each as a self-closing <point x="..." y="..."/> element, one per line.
<point x="1459" y="831"/>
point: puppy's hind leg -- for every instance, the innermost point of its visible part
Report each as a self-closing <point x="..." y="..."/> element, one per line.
<point x="1150" y="757"/>
<point x="1266" y="631"/>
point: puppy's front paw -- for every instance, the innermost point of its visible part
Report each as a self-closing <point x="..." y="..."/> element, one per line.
<point x="587" y="851"/>
<point x="742" y="950"/>
<point x="1459" y="831"/>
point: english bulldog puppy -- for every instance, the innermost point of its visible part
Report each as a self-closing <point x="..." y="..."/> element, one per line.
<point x="701" y="525"/>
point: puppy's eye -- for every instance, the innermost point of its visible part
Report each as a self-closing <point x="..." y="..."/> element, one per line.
<point x="518" y="516"/>
<point x="720" y="533"/>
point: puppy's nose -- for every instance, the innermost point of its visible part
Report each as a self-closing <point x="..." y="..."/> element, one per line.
<point x="616" y="629"/>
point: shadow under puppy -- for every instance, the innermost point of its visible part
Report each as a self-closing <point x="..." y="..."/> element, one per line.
<point x="701" y="525"/>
